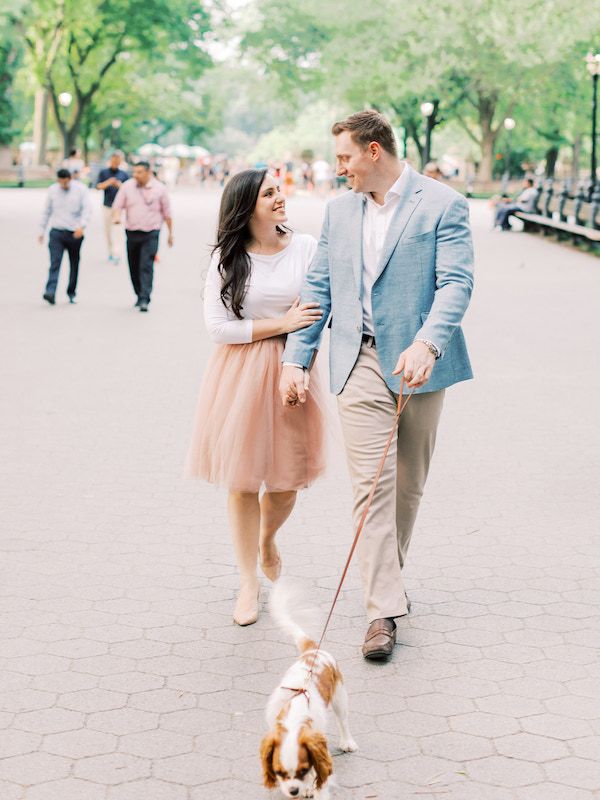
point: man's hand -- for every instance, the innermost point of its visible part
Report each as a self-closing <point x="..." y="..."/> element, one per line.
<point x="417" y="363"/>
<point x="170" y="240"/>
<point x="78" y="234"/>
<point x="293" y="385"/>
<point x="41" y="238"/>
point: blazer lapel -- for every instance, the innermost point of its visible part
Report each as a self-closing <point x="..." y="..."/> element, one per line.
<point x="356" y="240"/>
<point x="408" y="202"/>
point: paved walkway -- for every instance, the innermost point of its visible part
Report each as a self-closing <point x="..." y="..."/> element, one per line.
<point x="123" y="677"/>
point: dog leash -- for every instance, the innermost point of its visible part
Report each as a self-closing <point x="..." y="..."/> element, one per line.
<point x="399" y="409"/>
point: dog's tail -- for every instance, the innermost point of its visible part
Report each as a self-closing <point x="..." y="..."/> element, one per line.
<point x="284" y="596"/>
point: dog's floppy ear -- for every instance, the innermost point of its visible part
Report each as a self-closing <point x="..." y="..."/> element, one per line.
<point x="267" y="748"/>
<point x="316" y="745"/>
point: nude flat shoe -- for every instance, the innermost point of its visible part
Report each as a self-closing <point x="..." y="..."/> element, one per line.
<point x="247" y="616"/>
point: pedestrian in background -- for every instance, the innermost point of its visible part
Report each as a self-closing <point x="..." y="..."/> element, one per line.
<point x="67" y="212"/>
<point x="109" y="181"/>
<point x="74" y="163"/>
<point x="146" y="204"/>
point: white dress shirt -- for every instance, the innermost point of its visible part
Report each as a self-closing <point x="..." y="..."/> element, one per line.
<point x="66" y="209"/>
<point x="376" y="223"/>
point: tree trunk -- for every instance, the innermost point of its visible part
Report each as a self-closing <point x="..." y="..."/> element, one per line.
<point x="486" y="166"/>
<point x="40" y="126"/>
<point x="551" y="159"/>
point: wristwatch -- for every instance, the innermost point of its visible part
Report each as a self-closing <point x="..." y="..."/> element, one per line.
<point x="431" y="347"/>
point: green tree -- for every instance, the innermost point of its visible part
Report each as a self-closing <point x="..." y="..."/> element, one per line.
<point x="75" y="45"/>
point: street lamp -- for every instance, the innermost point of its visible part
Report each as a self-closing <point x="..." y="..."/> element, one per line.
<point x="509" y="126"/>
<point x="593" y="66"/>
<point x="65" y="99"/>
<point x="115" y="125"/>
<point x="428" y="110"/>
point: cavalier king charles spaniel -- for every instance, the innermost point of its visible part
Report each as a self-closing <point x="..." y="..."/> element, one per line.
<point x="294" y="752"/>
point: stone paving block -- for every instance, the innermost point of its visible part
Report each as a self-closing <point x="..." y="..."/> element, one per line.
<point x="587" y="747"/>
<point x="66" y="789"/>
<point x="426" y="772"/>
<point x="79" y="744"/>
<point x="49" y="720"/>
<point x="156" y="744"/>
<point x="412" y="723"/>
<point x="457" y="746"/>
<point x="231" y="789"/>
<point x="131" y="682"/>
<point x="196" y="721"/>
<point x="16" y="743"/>
<point x="503" y="771"/>
<point x="352" y="770"/>
<point x="11" y="791"/>
<point x="556" y="727"/>
<point x="481" y="724"/>
<point x="241" y="743"/>
<point x="150" y="789"/>
<point x="25" y="700"/>
<point x="112" y="769"/>
<point x="192" y="770"/>
<point x="123" y="721"/>
<point x="580" y="772"/>
<point x="529" y="747"/>
<point x="443" y="705"/>
<point x="92" y="700"/>
<point x="515" y="705"/>
<point x="553" y="791"/>
<point x="34" y="768"/>
<point x="162" y="700"/>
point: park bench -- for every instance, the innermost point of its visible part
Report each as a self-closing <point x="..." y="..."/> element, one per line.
<point x="566" y="214"/>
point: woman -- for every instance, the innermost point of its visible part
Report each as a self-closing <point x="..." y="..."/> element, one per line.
<point x="244" y="438"/>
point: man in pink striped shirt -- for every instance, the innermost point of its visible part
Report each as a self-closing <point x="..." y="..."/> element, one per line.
<point x="146" y="204"/>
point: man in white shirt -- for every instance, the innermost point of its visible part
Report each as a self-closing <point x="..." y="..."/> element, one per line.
<point x="394" y="270"/>
<point x="525" y="202"/>
<point x="66" y="213"/>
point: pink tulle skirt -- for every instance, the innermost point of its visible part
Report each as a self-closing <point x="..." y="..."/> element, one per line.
<point x="244" y="438"/>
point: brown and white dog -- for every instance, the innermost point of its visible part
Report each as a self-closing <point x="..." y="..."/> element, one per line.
<point x="294" y="753"/>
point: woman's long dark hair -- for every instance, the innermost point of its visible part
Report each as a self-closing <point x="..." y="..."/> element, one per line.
<point x="233" y="235"/>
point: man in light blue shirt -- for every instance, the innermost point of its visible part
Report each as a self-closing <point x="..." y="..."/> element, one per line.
<point x="67" y="212"/>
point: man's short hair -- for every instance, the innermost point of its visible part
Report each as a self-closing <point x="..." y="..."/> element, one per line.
<point x="143" y="164"/>
<point x="366" y="127"/>
<point x="72" y="153"/>
<point x="116" y="154"/>
<point x="529" y="181"/>
<point x="63" y="173"/>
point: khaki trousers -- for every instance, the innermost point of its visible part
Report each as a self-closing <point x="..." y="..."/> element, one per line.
<point x="367" y="409"/>
<point x="113" y="233"/>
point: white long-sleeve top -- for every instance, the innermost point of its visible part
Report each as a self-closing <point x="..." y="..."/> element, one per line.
<point x="275" y="282"/>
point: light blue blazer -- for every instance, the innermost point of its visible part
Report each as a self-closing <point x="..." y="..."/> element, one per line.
<point x="422" y="290"/>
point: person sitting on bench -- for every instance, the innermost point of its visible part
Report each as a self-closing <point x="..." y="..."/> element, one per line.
<point x="524" y="202"/>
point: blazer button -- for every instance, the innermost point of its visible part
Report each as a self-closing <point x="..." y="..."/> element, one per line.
<point x="359" y="328"/>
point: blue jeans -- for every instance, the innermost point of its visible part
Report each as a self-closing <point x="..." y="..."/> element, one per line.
<point x="59" y="241"/>
<point x="141" y="249"/>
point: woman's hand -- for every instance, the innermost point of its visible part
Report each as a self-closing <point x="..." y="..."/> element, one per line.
<point x="301" y="315"/>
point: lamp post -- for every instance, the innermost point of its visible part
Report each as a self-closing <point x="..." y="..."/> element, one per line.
<point x="593" y="65"/>
<point x="509" y="126"/>
<point x="116" y="125"/>
<point x="65" y="99"/>
<point x="428" y="110"/>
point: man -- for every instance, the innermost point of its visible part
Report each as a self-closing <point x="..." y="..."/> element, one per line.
<point x="394" y="270"/>
<point x="109" y="181"/>
<point x="67" y="212"/>
<point x="524" y="202"/>
<point x="146" y="205"/>
<point x="74" y="163"/>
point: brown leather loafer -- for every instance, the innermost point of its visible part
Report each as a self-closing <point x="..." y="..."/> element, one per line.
<point x="380" y="640"/>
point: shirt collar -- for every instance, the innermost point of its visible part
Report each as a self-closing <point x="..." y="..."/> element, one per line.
<point x="394" y="191"/>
